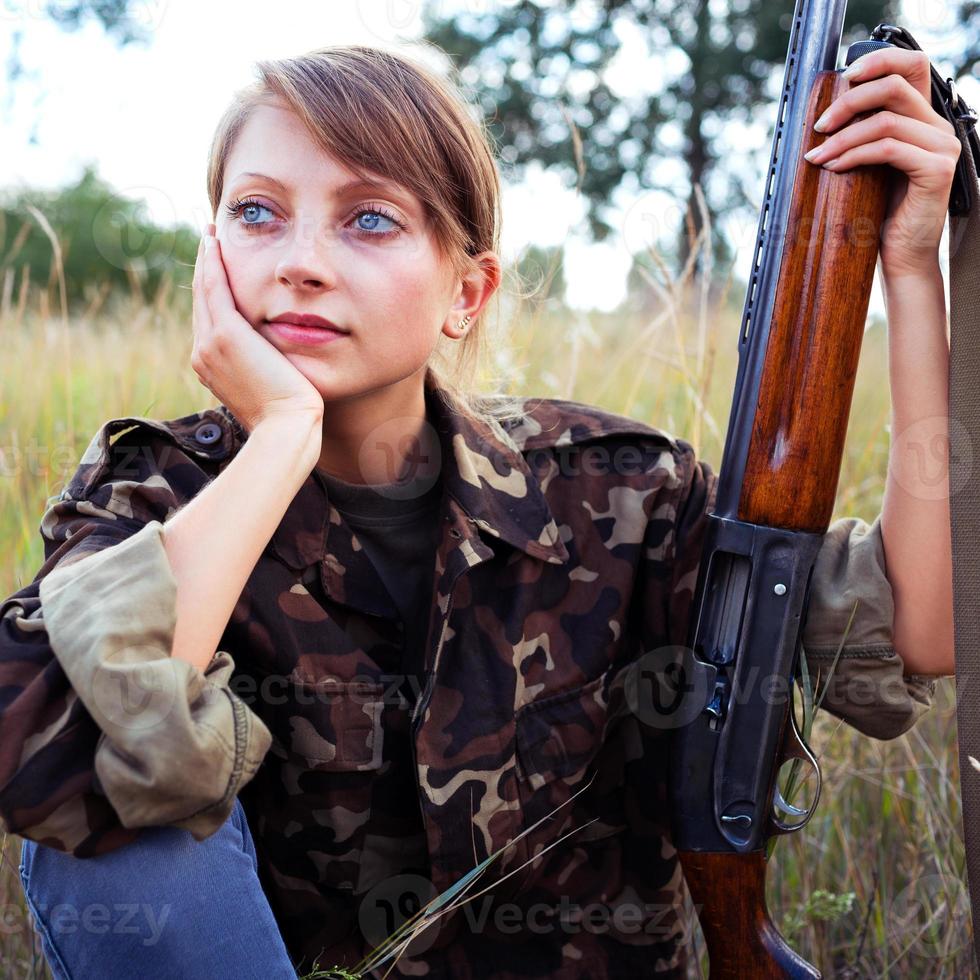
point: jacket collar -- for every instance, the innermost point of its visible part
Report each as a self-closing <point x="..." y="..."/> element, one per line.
<point x="483" y="470"/>
<point x="486" y="473"/>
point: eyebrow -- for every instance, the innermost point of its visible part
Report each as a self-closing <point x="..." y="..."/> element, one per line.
<point x="359" y="184"/>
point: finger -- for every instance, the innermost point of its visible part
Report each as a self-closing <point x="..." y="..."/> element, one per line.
<point x="199" y="261"/>
<point x="891" y="92"/>
<point x="882" y="125"/>
<point x="216" y="290"/>
<point x="930" y="171"/>
<point x="913" y="65"/>
<point x="201" y="314"/>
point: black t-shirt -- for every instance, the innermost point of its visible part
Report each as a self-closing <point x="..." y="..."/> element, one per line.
<point x="397" y="524"/>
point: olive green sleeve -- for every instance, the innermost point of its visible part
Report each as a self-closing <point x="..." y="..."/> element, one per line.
<point x="869" y="688"/>
<point x="176" y="744"/>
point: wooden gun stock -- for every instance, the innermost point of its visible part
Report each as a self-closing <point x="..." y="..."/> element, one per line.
<point x="729" y="891"/>
<point x="818" y="322"/>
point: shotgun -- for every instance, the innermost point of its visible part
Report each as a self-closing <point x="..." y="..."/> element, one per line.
<point x="798" y="348"/>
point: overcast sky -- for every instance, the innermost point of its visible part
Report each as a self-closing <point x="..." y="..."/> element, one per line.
<point x="145" y="115"/>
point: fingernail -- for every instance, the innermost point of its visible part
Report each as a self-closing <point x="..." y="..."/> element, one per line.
<point x="832" y="164"/>
<point x="815" y="152"/>
<point x="853" y="70"/>
<point x="208" y="242"/>
<point x="822" y="123"/>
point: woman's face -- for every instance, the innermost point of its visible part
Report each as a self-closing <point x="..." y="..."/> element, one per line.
<point x="362" y="258"/>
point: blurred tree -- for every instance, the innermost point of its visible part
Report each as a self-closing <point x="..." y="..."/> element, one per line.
<point x="968" y="27"/>
<point x="106" y="241"/>
<point x="547" y="79"/>
<point x="119" y="18"/>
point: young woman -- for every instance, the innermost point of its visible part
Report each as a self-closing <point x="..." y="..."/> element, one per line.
<point x="295" y="664"/>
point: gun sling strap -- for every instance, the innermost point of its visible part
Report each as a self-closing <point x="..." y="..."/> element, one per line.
<point x="964" y="501"/>
<point x="964" y="461"/>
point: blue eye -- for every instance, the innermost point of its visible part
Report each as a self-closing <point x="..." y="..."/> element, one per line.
<point x="374" y="214"/>
<point x="239" y="207"/>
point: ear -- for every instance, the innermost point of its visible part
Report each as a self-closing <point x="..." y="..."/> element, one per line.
<point x="473" y="292"/>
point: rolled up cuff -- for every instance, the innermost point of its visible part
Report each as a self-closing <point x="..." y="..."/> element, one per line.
<point x="870" y="690"/>
<point x="177" y="744"/>
<point x="852" y="609"/>
<point x="849" y="572"/>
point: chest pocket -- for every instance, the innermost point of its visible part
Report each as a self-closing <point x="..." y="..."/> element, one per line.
<point x="558" y="736"/>
<point x="560" y="741"/>
<point x="329" y="754"/>
<point x="335" y="725"/>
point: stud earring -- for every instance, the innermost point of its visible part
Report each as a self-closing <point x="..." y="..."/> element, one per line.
<point x="464" y="323"/>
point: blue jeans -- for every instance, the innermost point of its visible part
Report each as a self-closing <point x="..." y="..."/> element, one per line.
<point x="164" y="906"/>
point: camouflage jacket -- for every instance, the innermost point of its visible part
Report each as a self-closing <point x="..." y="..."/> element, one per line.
<point x="570" y="545"/>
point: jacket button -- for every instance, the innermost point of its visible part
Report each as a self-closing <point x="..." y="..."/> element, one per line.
<point x="207" y="433"/>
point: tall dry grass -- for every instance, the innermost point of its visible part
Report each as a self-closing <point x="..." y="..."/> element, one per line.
<point x="872" y="887"/>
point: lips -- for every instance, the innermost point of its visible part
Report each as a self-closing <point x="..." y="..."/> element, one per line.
<point x="316" y="336"/>
<point x="307" y="320"/>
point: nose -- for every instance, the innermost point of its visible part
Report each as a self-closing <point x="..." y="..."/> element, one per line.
<point x="306" y="258"/>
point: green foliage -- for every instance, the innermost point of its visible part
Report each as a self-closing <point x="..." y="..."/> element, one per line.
<point x="106" y="241"/>
<point x="821" y="906"/>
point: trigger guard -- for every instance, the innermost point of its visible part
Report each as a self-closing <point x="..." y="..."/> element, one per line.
<point x="803" y="752"/>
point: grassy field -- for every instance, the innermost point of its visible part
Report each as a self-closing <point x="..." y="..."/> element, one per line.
<point x="872" y="887"/>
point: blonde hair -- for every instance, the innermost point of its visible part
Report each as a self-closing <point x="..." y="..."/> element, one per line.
<point x="380" y="113"/>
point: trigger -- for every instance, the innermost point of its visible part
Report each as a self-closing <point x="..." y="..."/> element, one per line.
<point x="788" y="808"/>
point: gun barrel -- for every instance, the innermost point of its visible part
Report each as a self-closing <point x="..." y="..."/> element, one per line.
<point x="813" y="48"/>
